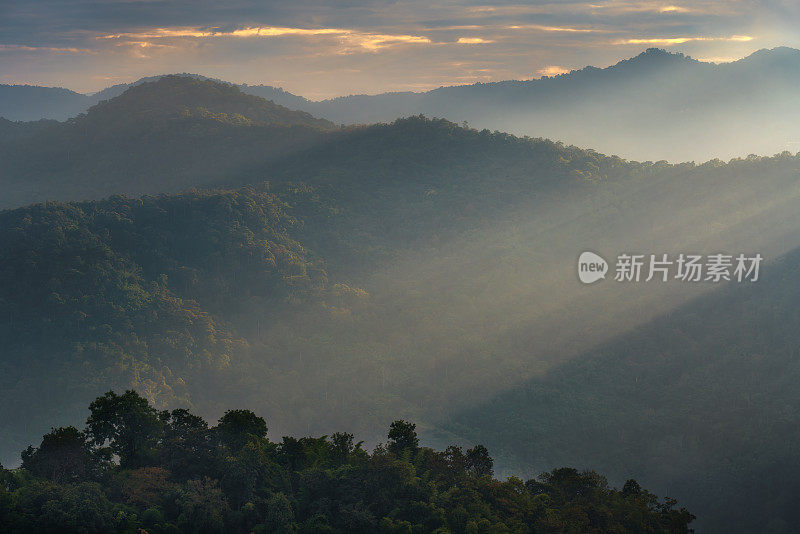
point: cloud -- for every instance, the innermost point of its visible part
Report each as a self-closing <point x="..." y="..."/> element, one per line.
<point x="539" y="27"/>
<point x="375" y="42"/>
<point x="674" y="9"/>
<point x="332" y="48"/>
<point x="268" y="31"/>
<point x="669" y="41"/>
<point x="718" y="59"/>
<point x="697" y="8"/>
<point x="351" y="39"/>
<point x="54" y="49"/>
<point x="473" y="40"/>
<point x="553" y="70"/>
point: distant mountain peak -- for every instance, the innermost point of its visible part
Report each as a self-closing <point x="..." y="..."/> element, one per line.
<point x="658" y="56"/>
<point x="653" y="51"/>
<point x="118" y="89"/>
<point x="182" y="95"/>
<point x="778" y="56"/>
<point x="777" y="51"/>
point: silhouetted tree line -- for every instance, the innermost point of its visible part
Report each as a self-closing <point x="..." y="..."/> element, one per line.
<point x="137" y="469"/>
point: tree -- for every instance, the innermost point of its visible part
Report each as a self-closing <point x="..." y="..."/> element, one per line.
<point x="302" y="486"/>
<point x="631" y="487"/>
<point x="403" y="437"/>
<point x="567" y="484"/>
<point x="188" y="449"/>
<point x="238" y="427"/>
<point x="129" y="424"/>
<point x="479" y="462"/>
<point x="63" y="456"/>
<point x="280" y="517"/>
<point x="292" y="452"/>
<point x="145" y="487"/>
<point x="6" y="501"/>
<point x="203" y="507"/>
<point x="71" y="508"/>
<point x="342" y="446"/>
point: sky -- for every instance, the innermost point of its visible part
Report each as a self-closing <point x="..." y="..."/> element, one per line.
<point x="325" y="49"/>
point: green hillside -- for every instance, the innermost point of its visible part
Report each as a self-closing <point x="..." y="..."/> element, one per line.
<point x="168" y="290"/>
<point x="180" y="132"/>
<point x="171" y="96"/>
<point x="702" y="403"/>
<point x="138" y="293"/>
<point x="163" y="136"/>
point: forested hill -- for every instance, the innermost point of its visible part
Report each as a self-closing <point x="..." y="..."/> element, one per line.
<point x="12" y="130"/>
<point x="161" y="293"/>
<point x="137" y="469"/>
<point x="710" y="389"/>
<point x="164" y="293"/>
<point x="31" y="102"/>
<point x="139" y="293"/>
<point x="174" y="96"/>
<point x="162" y="136"/>
<point x="657" y="105"/>
<point x="180" y="132"/>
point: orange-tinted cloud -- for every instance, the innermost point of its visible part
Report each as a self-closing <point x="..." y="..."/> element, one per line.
<point x="473" y="40"/>
<point x="552" y="70"/>
<point x="566" y="29"/>
<point x="674" y="9"/>
<point x="351" y="39"/>
<point x="669" y="41"/>
<point x="55" y="49"/>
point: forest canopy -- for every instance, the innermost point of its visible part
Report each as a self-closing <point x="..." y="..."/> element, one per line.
<point x="136" y="469"/>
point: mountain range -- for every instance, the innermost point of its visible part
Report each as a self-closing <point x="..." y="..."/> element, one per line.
<point x="657" y="105"/>
<point x="211" y="249"/>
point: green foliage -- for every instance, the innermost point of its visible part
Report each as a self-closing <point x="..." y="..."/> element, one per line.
<point x="238" y="427"/>
<point x="327" y="486"/>
<point x="135" y="293"/>
<point x="710" y="388"/>
<point x="403" y="437"/>
<point x="280" y="516"/>
<point x="188" y="445"/>
<point x="202" y="507"/>
<point x="478" y="461"/>
<point x="42" y="506"/>
<point x="128" y="423"/>
<point x="63" y="456"/>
